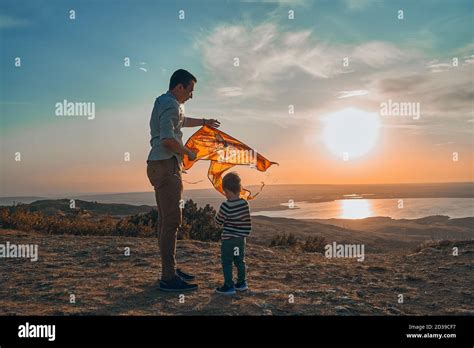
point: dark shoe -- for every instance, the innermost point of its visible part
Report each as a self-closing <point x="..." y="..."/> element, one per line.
<point x="226" y="290"/>
<point x="241" y="286"/>
<point x="176" y="285"/>
<point x="184" y="276"/>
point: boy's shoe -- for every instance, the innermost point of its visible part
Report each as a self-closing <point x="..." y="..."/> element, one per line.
<point x="176" y="285"/>
<point x="226" y="290"/>
<point x="241" y="286"/>
<point x="184" y="276"/>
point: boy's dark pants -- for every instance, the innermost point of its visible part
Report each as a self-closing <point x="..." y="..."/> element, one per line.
<point x="233" y="252"/>
<point x="165" y="176"/>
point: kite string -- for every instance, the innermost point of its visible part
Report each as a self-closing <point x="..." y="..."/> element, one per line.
<point x="189" y="182"/>
<point x="255" y="195"/>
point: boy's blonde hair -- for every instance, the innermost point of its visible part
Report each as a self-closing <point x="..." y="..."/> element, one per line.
<point x="231" y="182"/>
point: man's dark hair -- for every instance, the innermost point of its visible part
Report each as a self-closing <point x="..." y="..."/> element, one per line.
<point x="231" y="182"/>
<point x="181" y="76"/>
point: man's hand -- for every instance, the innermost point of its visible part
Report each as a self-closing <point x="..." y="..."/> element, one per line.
<point x="173" y="146"/>
<point x="212" y="123"/>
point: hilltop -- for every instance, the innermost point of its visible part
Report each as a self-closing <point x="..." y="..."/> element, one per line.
<point x="105" y="281"/>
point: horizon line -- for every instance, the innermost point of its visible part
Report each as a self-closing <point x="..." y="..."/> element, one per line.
<point x="253" y="185"/>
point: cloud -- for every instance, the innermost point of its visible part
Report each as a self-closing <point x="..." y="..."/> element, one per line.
<point x="358" y="5"/>
<point x="260" y="59"/>
<point x="230" y="91"/>
<point x="469" y="59"/>
<point x="448" y="93"/>
<point x="377" y="54"/>
<point x="436" y="67"/>
<point x="7" y="21"/>
<point x="348" y="94"/>
<point x="281" y="2"/>
<point x="402" y="83"/>
<point x="278" y="68"/>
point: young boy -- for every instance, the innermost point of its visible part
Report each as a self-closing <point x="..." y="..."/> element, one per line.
<point x="234" y="216"/>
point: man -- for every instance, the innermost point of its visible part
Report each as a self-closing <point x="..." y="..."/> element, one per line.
<point x="164" y="166"/>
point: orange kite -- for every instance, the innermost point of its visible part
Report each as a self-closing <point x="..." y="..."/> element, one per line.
<point x="224" y="152"/>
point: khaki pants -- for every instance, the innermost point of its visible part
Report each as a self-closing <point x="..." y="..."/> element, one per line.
<point x="165" y="176"/>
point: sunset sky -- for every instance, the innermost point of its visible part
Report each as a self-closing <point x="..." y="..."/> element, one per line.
<point x="336" y="60"/>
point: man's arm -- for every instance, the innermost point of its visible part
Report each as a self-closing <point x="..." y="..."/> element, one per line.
<point x="174" y="146"/>
<point x="167" y="133"/>
<point x="196" y="122"/>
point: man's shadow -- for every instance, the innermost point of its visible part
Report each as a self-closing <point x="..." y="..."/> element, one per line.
<point x="144" y="300"/>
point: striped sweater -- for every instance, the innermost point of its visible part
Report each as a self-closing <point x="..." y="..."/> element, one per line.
<point x="235" y="218"/>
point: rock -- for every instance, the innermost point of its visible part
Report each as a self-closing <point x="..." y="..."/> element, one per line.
<point x="376" y="269"/>
<point x="343" y="310"/>
<point x="271" y="292"/>
<point x="394" y="310"/>
<point x="411" y="278"/>
<point x="442" y="268"/>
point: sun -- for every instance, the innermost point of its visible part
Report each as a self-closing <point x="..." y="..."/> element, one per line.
<point x="350" y="133"/>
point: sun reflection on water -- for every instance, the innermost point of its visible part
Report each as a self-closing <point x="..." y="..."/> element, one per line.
<point x="355" y="208"/>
